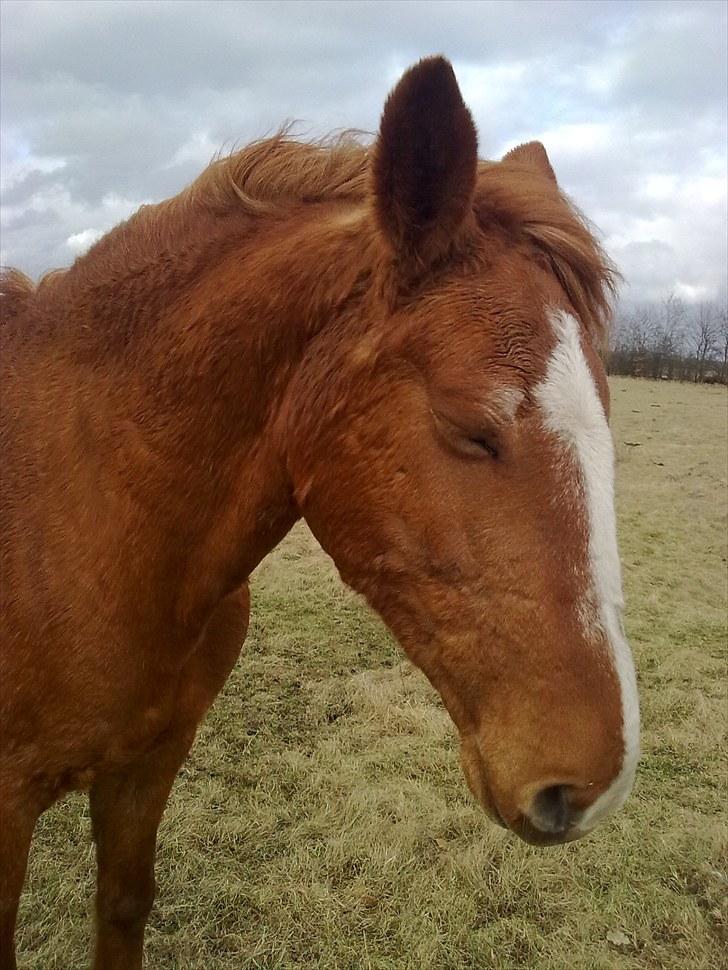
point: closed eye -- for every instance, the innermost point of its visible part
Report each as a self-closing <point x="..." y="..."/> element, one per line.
<point x="485" y="445"/>
<point x="466" y="435"/>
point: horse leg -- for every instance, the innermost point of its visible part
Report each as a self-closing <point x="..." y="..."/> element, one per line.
<point x="126" y="809"/>
<point x="17" y="821"/>
<point x="127" y="806"/>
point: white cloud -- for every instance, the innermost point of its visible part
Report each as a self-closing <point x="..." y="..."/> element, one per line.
<point x="578" y="140"/>
<point x="690" y="293"/>
<point x="79" y="242"/>
<point x="199" y="149"/>
<point x="16" y="170"/>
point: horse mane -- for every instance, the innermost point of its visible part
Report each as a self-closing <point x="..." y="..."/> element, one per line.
<point x="273" y="175"/>
<point x="16" y="291"/>
<point x="268" y="175"/>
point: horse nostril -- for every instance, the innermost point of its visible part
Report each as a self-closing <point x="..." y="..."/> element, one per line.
<point x="552" y="811"/>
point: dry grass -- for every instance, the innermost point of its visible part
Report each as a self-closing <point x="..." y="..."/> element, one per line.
<point x="321" y="820"/>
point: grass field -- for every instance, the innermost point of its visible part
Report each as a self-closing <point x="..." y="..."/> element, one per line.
<point x="322" y="820"/>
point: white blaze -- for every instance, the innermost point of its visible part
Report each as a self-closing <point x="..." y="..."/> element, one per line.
<point x="572" y="410"/>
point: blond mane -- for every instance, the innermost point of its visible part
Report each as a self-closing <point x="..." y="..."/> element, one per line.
<point x="16" y="290"/>
<point x="271" y="175"/>
<point x="275" y="174"/>
<point x="268" y="175"/>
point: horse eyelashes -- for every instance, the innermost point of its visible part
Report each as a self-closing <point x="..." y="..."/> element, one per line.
<point x="486" y="446"/>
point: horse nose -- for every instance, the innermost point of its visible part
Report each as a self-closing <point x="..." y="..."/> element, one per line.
<point x="552" y="810"/>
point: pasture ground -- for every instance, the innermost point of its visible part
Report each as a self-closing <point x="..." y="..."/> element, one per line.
<point x="322" y="820"/>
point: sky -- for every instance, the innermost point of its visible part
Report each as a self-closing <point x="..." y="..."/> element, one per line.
<point x="108" y="105"/>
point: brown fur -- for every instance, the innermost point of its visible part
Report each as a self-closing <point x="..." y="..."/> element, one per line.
<point x="300" y="332"/>
<point x="16" y="290"/>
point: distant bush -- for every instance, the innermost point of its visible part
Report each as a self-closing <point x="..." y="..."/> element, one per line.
<point x="671" y="341"/>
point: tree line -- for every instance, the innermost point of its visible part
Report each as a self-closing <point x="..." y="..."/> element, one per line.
<point x="671" y="340"/>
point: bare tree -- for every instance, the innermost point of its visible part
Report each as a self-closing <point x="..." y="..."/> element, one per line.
<point x="668" y="337"/>
<point x="722" y="341"/>
<point x="704" y="336"/>
<point x="668" y="340"/>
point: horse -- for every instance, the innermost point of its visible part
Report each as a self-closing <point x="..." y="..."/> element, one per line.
<point x="392" y="339"/>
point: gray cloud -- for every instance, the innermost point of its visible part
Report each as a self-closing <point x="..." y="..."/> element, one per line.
<point x="106" y="105"/>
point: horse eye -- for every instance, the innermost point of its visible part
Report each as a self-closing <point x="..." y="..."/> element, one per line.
<point x="485" y="445"/>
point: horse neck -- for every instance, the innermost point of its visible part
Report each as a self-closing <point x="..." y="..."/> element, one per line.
<point x="199" y="367"/>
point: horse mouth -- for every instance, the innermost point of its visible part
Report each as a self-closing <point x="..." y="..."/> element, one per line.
<point x="534" y="836"/>
<point x="475" y="773"/>
<point x="476" y="776"/>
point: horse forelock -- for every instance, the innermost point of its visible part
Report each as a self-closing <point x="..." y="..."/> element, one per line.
<point x="534" y="207"/>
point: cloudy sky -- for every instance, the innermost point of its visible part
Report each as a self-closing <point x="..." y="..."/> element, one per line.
<point x="106" y="105"/>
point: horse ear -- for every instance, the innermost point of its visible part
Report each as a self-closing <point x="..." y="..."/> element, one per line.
<point x="425" y="163"/>
<point x="531" y="155"/>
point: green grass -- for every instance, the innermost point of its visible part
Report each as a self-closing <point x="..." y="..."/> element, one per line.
<point x="321" y="820"/>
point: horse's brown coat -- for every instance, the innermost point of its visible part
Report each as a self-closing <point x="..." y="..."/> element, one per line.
<point x="323" y="331"/>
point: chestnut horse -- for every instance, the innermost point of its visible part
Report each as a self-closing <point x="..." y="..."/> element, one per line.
<point x="398" y="343"/>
